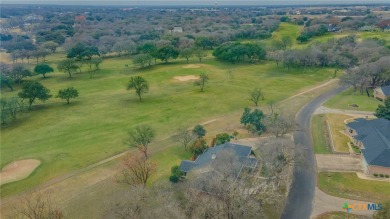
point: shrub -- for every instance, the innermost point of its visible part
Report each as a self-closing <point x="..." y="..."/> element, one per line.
<point x="387" y="176"/>
<point x="381" y="175"/>
<point x="375" y="174"/>
<point x="174" y="178"/>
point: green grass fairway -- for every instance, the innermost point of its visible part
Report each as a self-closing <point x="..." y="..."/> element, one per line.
<point x="320" y="136"/>
<point x="95" y="125"/>
<point x="348" y="185"/>
<point x="346" y="98"/>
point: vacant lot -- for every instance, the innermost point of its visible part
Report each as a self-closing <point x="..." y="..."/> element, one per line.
<point x="348" y="185"/>
<point x="345" y="99"/>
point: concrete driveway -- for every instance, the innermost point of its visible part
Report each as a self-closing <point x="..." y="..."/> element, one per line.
<point x="338" y="163"/>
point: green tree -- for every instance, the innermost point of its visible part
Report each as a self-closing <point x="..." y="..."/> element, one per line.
<point x="199" y="131"/>
<point x="81" y="51"/>
<point x="68" y="66"/>
<point x="166" y="53"/>
<point x="222" y="138"/>
<point x="200" y="54"/>
<point x="51" y="46"/>
<point x="5" y="76"/>
<point x="33" y="91"/>
<point x="43" y="69"/>
<point x="201" y="82"/>
<point x="93" y="63"/>
<point x="176" y="173"/>
<point x="142" y="60"/>
<point x="256" y="94"/>
<point x="67" y="94"/>
<point x="253" y="119"/>
<point x="140" y="138"/>
<point x="139" y="84"/>
<point x="187" y="53"/>
<point x="198" y="147"/>
<point x="383" y="111"/>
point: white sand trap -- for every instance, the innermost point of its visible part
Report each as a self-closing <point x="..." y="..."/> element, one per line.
<point x="192" y="66"/>
<point x="186" y="78"/>
<point x="18" y="170"/>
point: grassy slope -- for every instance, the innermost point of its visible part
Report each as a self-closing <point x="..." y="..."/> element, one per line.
<point x="94" y="126"/>
<point x="346" y="98"/>
<point x="336" y="123"/>
<point x="319" y="135"/>
<point x="348" y="185"/>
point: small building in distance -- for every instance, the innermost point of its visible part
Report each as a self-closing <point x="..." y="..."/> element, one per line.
<point x="177" y="30"/>
<point x="382" y="93"/>
<point x="372" y="137"/>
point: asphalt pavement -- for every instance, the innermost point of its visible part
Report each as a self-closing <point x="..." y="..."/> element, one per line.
<point x="300" y="199"/>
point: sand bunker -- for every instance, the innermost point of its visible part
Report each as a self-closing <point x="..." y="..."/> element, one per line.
<point x="192" y="66"/>
<point x="18" y="170"/>
<point x="186" y="78"/>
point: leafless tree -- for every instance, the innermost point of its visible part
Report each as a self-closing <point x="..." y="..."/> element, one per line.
<point x="279" y="124"/>
<point x="140" y="138"/>
<point x="185" y="136"/>
<point x="256" y="94"/>
<point x="37" y="205"/>
<point x="136" y="170"/>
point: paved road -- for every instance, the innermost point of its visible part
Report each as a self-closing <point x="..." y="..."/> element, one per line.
<point x="300" y="198"/>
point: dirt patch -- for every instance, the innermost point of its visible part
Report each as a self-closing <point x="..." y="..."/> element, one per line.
<point x="186" y="78"/>
<point x="192" y="66"/>
<point x="18" y="170"/>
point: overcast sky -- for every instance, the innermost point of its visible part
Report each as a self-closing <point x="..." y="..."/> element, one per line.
<point x="192" y="2"/>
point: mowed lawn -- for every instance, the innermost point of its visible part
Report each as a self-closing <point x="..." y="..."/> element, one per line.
<point x="348" y="185"/>
<point x="95" y="125"/>
<point x="320" y="135"/>
<point x="345" y="99"/>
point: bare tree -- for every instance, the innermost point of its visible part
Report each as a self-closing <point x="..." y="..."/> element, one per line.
<point x="137" y="170"/>
<point x="256" y="94"/>
<point x="279" y="124"/>
<point x="185" y="136"/>
<point x="37" y="206"/>
<point x="140" y="138"/>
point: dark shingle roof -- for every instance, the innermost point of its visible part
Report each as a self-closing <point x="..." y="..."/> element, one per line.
<point x="386" y="90"/>
<point x="375" y="136"/>
<point x="207" y="157"/>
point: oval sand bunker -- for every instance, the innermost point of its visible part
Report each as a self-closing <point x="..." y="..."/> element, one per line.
<point x="18" y="170"/>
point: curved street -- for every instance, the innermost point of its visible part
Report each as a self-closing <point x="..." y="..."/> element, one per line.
<point x="300" y="199"/>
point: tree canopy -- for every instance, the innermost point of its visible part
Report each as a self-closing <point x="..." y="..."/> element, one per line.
<point x="139" y="84"/>
<point x="81" y="51"/>
<point x="383" y="111"/>
<point x="67" y="94"/>
<point x="34" y="90"/>
<point x="237" y="52"/>
<point x="43" y="69"/>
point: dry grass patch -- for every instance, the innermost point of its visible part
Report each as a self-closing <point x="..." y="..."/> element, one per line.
<point x="337" y="126"/>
